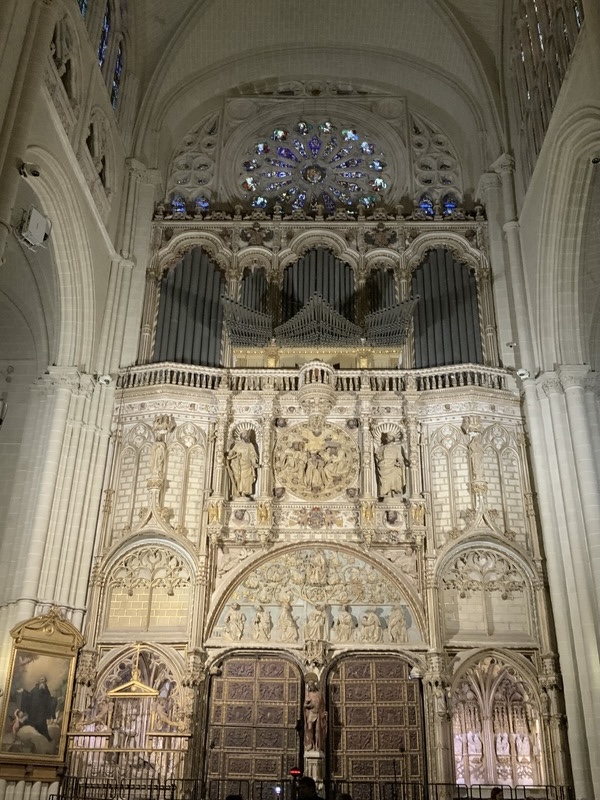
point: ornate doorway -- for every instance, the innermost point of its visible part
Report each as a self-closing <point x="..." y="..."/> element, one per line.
<point x="376" y="725"/>
<point x="252" y="735"/>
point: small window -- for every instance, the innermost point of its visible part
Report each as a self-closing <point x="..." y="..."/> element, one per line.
<point x="117" y="76"/>
<point x="104" y="35"/>
<point x="83" y="7"/>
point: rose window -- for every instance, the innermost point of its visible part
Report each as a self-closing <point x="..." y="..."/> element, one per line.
<point x="312" y="163"/>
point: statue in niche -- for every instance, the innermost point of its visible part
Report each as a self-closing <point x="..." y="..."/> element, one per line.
<point x="163" y="425"/>
<point x="315" y="718"/>
<point x="344" y="626"/>
<point x="391" y="463"/>
<point x="262" y="625"/>
<point x="234" y="623"/>
<point x="502" y="745"/>
<point x="474" y="745"/>
<point x="397" y="625"/>
<point x="242" y="462"/>
<point x="523" y="747"/>
<point x="472" y="427"/>
<point x="287" y="629"/>
<point x="314" y="627"/>
<point x="370" y="630"/>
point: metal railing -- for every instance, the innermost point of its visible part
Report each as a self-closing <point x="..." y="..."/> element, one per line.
<point x="74" y="788"/>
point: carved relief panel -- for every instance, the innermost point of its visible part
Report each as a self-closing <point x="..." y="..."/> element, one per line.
<point x="485" y="594"/>
<point x="315" y="461"/>
<point x="317" y="594"/>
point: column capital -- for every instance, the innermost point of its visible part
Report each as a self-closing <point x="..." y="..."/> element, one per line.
<point x="504" y="165"/>
<point x="550" y="384"/>
<point x="488" y="182"/>
<point x="573" y="376"/>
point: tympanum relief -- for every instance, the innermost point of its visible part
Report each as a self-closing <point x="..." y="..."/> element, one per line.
<point x="317" y="595"/>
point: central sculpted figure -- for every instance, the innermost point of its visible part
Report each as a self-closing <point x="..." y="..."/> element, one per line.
<point x="315" y="718"/>
<point x="390" y="460"/>
<point x="242" y="461"/>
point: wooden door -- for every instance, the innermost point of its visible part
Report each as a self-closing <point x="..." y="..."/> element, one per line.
<point x="375" y="725"/>
<point x="252" y="737"/>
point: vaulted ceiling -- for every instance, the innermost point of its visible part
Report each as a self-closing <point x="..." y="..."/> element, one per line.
<point x="442" y="55"/>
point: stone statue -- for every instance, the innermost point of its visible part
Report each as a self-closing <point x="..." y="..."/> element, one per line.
<point x="314" y="627"/>
<point x="242" y="461"/>
<point x="523" y="747"/>
<point x="474" y="745"/>
<point x="344" y="626"/>
<point x="287" y="630"/>
<point x="390" y="460"/>
<point x="370" y="630"/>
<point x="315" y="718"/>
<point x="502" y="745"/>
<point x="234" y="623"/>
<point x="397" y="625"/>
<point x="262" y="625"/>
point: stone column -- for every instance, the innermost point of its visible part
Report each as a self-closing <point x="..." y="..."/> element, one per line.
<point x="440" y="750"/>
<point x="488" y="322"/>
<point x="505" y="166"/>
<point x="578" y="656"/>
<point x="573" y="379"/>
<point x="153" y="279"/>
<point x="29" y="79"/>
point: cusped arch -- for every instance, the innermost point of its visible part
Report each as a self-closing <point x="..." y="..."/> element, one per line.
<point x="460" y="248"/>
<point x="315" y="238"/>
<point x="147" y="587"/>
<point x="475" y="578"/>
<point x="181" y="244"/>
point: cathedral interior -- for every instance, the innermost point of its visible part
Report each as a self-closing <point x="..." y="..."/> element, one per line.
<point x="299" y="399"/>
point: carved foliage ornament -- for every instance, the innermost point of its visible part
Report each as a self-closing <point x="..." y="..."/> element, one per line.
<point x="484" y="570"/>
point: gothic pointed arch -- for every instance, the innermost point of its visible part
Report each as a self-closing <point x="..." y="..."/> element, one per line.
<point x="498" y="725"/>
<point x="287" y="596"/>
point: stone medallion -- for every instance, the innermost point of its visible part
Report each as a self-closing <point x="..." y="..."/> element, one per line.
<point x="315" y="461"/>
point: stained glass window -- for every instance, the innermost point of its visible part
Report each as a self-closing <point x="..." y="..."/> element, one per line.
<point x="426" y="205"/>
<point x="117" y="75"/>
<point x="178" y="204"/>
<point x="104" y="34"/>
<point x="308" y="162"/>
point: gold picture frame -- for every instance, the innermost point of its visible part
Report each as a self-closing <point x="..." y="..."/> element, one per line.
<point x="39" y="691"/>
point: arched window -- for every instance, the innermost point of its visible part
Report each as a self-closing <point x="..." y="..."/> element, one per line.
<point x="190" y="313"/>
<point x="447" y="329"/>
<point x="117" y="77"/>
<point x="104" y="36"/>
<point x="83" y="7"/>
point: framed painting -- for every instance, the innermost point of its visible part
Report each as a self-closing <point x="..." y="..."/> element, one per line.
<point x="38" y="694"/>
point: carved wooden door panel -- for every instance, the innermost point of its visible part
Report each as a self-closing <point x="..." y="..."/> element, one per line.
<point x="254" y="707"/>
<point x="375" y="724"/>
